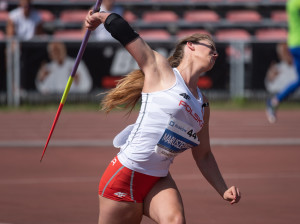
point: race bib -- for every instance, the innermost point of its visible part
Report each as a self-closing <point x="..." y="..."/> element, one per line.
<point x="178" y="137"/>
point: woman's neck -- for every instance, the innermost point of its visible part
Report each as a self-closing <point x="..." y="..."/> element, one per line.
<point x="190" y="79"/>
<point x="189" y="76"/>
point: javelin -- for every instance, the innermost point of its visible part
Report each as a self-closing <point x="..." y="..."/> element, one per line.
<point x="71" y="77"/>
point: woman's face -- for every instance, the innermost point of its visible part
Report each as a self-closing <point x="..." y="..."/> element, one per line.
<point x="206" y="52"/>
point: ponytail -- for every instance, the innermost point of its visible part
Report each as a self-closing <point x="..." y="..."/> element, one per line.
<point x="126" y="93"/>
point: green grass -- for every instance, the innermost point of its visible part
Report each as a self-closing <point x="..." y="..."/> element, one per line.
<point x="52" y="107"/>
<point x="244" y="104"/>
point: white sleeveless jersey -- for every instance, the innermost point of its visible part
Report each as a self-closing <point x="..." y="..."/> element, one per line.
<point x="166" y="126"/>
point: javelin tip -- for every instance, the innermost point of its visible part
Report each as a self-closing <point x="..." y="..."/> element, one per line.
<point x="52" y="128"/>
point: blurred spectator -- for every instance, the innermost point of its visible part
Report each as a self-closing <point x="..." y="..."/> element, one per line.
<point x="281" y="74"/>
<point x="293" y="41"/>
<point x="53" y="76"/>
<point x="24" y="22"/>
<point x="101" y="33"/>
<point x="3" y="5"/>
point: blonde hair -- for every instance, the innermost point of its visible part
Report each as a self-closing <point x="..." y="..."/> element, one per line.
<point x="128" y="90"/>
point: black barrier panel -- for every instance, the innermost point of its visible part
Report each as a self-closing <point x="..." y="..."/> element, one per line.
<point x="2" y="67"/>
<point x="32" y="54"/>
<point x="220" y="72"/>
<point x="106" y="59"/>
<point x="263" y="55"/>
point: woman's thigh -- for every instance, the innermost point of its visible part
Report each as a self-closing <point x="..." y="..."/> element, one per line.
<point x="117" y="212"/>
<point x="163" y="203"/>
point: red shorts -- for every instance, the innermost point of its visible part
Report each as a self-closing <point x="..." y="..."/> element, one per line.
<point x="122" y="184"/>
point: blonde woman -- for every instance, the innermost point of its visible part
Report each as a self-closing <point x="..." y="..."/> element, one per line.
<point x="173" y="118"/>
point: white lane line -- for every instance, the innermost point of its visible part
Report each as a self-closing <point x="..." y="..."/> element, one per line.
<point x="57" y="143"/>
<point x="63" y="180"/>
<point x="247" y="176"/>
<point x="107" y="143"/>
<point x="255" y="141"/>
<point x="55" y="180"/>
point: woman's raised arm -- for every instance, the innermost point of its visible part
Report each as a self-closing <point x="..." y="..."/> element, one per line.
<point x="153" y="65"/>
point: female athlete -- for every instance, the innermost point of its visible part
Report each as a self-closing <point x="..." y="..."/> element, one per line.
<point x="174" y="117"/>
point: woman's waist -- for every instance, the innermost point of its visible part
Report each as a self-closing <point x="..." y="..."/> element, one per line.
<point x="143" y="161"/>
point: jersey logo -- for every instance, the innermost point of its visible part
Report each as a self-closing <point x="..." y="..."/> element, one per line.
<point x="120" y="194"/>
<point x="114" y="161"/>
<point x="185" y="96"/>
<point x="191" y="112"/>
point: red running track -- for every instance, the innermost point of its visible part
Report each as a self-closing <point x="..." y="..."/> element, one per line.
<point x="262" y="159"/>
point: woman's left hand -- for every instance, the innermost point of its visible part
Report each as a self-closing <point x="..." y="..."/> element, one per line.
<point x="232" y="194"/>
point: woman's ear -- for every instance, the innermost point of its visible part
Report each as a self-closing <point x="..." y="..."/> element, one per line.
<point x="190" y="45"/>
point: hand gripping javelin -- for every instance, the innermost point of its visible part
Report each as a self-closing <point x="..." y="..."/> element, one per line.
<point x="71" y="77"/>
